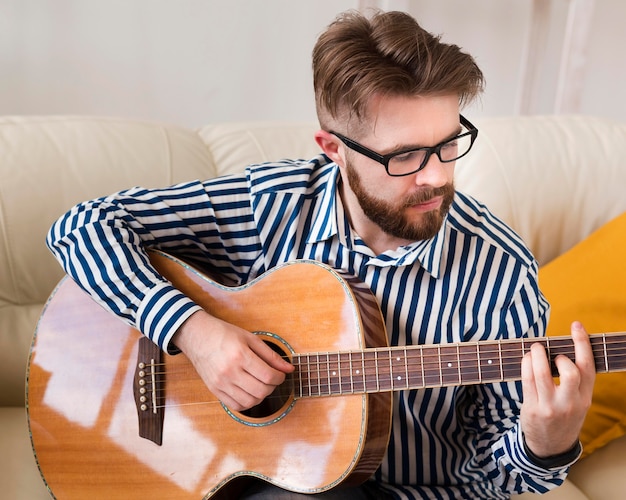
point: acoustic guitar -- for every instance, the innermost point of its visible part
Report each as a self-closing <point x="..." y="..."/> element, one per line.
<point x="112" y="417"/>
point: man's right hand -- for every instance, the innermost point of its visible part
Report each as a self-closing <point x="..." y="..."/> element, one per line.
<point x="237" y="366"/>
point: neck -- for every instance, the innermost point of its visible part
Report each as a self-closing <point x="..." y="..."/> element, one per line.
<point x="430" y="366"/>
<point x="374" y="237"/>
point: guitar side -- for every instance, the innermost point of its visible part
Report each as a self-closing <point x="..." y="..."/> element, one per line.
<point x="83" y="417"/>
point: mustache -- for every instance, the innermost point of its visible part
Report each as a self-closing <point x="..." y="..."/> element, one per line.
<point x="427" y="194"/>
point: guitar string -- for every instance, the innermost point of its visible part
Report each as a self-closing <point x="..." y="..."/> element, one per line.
<point x="430" y="360"/>
<point x="424" y="358"/>
<point x="433" y="364"/>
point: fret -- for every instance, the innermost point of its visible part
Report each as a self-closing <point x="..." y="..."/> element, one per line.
<point x="458" y="362"/>
<point x="351" y="371"/>
<point x="340" y="373"/>
<point x="551" y="355"/>
<point x="319" y="375"/>
<point x="330" y="389"/>
<point x="386" y="372"/>
<point x="368" y="365"/>
<point x="440" y="370"/>
<point x="327" y="387"/>
<point x="401" y="363"/>
<point x="306" y="380"/>
<point x="309" y="380"/>
<point x="469" y="364"/>
<point x="406" y="369"/>
<point x="357" y="376"/>
<point x="431" y="366"/>
<point x="617" y="356"/>
<point x="609" y="352"/>
<point x="450" y="364"/>
<point x="397" y="370"/>
<point x="377" y="374"/>
<point x="413" y="367"/>
<point x="333" y="371"/>
<point x="606" y="357"/>
<point x="363" y="370"/>
<point x="600" y="346"/>
<point x="319" y="387"/>
<point x="490" y="368"/>
<point x="480" y="375"/>
<point x="347" y="380"/>
<point x="298" y="373"/>
<point x="511" y="353"/>
<point x="421" y="348"/>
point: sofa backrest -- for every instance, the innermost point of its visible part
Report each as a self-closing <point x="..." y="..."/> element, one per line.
<point x="554" y="179"/>
<point x="47" y="164"/>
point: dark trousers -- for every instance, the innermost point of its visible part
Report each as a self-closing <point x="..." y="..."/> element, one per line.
<point x="367" y="491"/>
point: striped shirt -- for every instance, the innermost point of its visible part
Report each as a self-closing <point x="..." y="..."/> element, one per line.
<point x="474" y="281"/>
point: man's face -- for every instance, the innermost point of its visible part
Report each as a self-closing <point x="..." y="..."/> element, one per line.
<point x="411" y="207"/>
<point x="395" y="217"/>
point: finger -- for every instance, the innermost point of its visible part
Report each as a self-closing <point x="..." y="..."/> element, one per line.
<point x="245" y="392"/>
<point x="270" y="357"/>
<point x="542" y="373"/>
<point x="569" y="376"/>
<point x="236" y="398"/>
<point x="528" y="379"/>
<point x="585" y="361"/>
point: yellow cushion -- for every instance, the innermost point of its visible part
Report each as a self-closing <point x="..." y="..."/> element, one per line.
<point x="588" y="283"/>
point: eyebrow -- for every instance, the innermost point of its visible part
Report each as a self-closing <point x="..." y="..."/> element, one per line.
<point x="400" y="149"/>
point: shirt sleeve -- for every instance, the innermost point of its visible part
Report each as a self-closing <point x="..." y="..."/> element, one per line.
<point x="500" y="443"/>
<point x="102" y="245"/>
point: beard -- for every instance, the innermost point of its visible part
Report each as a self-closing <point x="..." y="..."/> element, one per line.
<point x="391" y="217"/>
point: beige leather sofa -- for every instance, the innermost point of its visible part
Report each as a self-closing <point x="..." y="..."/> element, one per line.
<point x="553" y="179"/>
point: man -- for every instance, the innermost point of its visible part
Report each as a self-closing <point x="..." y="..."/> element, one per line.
<point x="380" y="204"/>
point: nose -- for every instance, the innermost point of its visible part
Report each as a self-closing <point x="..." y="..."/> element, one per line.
<point x="435" y="173"/>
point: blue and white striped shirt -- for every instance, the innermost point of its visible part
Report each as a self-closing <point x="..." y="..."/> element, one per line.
<point x="475" y="280"/>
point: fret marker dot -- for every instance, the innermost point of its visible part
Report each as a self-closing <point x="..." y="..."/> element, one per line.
<point x="449" y="365"/>
<point x="399" y="377"/>
<point x="398" y="358"/>
<point x="489" y="362"/>
<point x="358" y="371"/>
<point x="334" y="373"/>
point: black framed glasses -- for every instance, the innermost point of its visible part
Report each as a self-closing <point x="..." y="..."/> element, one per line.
<point x="410" y="161"/>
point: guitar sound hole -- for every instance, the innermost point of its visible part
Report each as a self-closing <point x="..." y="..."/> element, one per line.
<point x="279" y="398"/>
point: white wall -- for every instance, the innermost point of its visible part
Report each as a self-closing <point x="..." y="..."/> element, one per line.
<point x="192" y="62"/>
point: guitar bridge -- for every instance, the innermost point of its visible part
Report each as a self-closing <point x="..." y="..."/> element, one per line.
<point x="149" y="390"/>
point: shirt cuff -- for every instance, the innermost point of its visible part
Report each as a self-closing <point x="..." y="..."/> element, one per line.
<point x="555" y="461"/>
<point x="161" y="312"/>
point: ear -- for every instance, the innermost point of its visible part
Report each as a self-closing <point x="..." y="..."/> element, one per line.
<point x="331" y="146"/>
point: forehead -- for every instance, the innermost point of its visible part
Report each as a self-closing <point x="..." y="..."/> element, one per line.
<point x="393" y="121"/>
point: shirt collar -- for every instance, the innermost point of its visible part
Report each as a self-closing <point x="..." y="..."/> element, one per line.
<point x="330" y="220"/>
<point x="325" y="218"/>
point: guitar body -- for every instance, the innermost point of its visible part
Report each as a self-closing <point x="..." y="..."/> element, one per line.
<point x="83" y="412"/>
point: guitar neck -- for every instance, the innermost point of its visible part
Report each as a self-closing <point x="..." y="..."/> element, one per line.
<point x="430" y="366"/>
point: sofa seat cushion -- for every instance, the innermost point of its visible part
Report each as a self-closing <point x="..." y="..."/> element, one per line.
<point x="19" y="474"/>
<point x="601" y="475"/>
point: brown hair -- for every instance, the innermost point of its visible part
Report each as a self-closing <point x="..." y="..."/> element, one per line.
<point x="390" y="53"/>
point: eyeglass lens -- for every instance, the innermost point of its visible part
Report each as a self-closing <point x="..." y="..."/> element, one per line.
<point x="411" y="161"/>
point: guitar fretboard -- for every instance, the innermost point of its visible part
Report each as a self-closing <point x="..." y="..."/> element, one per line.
<point x="430" y="366"/>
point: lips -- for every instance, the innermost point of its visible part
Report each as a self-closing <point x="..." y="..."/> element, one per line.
<point x="428" y="205"/>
